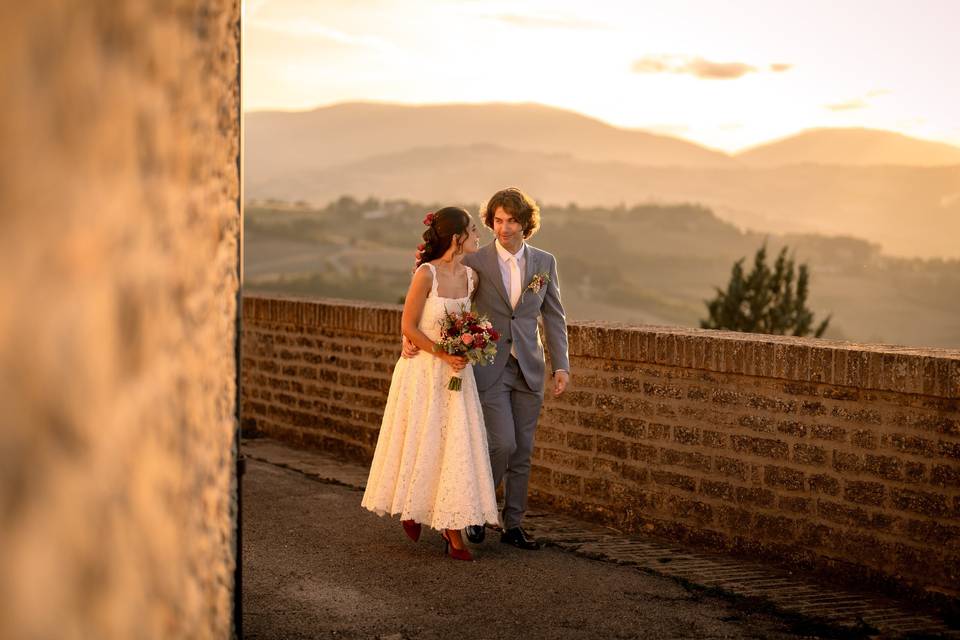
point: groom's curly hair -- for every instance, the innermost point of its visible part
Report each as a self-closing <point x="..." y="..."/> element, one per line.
<point x="518" y="204"/>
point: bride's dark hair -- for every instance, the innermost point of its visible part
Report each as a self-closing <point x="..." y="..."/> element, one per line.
<point x="443" y="226"/>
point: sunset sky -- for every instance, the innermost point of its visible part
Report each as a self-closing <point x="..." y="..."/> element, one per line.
<point x="727" y="75"/>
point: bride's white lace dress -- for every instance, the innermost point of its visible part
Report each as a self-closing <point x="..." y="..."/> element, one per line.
<point x="432" y="463"/>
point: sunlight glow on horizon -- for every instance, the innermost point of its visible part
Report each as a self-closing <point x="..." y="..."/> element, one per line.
<point x="693" y="69"/>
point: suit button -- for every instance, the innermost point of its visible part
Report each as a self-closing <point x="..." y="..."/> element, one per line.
<point x="513" y="317"/>
<point x="509" y="339"/>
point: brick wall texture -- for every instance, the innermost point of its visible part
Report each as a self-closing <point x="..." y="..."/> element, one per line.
<point x="119" y="230"/>
<point x="836" y="455"/>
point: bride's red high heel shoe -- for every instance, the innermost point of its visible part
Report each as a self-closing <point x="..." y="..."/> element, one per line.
<point x="411" y="528"/>
<point x="452" y="551"/>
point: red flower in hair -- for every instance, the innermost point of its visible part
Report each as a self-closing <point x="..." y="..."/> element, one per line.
<point x="429" y="219"/>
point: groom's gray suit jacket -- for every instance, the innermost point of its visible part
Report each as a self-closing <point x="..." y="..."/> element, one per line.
<point x="518" y="327"/>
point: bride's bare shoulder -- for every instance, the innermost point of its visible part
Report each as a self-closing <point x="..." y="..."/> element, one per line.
<point x="423" y="273"/>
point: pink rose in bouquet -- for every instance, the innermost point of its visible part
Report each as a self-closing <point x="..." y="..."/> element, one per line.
<point x="470" y="335"/>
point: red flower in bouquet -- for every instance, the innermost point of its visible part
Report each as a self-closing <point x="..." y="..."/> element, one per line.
<point x="470" y="335"/>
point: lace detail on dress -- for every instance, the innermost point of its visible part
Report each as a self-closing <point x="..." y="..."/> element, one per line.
<point x="432" y="462"/>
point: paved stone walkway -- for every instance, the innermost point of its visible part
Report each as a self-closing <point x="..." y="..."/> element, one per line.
<point x="317" y="565"/>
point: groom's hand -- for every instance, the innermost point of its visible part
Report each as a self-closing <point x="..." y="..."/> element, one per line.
<point x="410" y="350"/>
<point x="560" y="381"/>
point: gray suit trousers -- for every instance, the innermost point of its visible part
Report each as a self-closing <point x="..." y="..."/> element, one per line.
<point x="510" y="411"/>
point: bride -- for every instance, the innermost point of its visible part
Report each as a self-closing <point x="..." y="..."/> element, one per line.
<point x="432" y="464"/>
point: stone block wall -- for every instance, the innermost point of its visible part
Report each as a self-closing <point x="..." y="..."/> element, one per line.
<point x="317" y="373"/>
<point x="826" y="454"/>
<point x="119" y="225"/>
<point x="832" y="454"/>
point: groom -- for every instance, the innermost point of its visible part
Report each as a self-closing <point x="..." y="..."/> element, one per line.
<point x="517" y="285"/>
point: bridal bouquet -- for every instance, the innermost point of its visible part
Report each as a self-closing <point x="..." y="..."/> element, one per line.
<point x="470" y="335"/>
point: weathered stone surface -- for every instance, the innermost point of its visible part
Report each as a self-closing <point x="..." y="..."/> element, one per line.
<point x="119" y="225"/>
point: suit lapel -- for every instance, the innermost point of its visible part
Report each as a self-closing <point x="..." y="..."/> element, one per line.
<point x="492" y="265"/>
<point x="529" y="269"/>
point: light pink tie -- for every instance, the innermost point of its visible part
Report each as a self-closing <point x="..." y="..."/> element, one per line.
<point x="514" y="291"/>
<point x="514" y="282"/>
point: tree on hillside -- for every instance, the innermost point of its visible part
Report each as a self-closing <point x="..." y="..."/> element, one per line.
<point x="765" y="300"/>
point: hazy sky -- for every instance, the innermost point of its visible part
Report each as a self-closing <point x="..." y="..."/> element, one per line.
<point x="726" y="74"/>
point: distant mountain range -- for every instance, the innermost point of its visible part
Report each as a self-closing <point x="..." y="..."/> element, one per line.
<point x="898" y="191"/>
<point x="859" y="147"/>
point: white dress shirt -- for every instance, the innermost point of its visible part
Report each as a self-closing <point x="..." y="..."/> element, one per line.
<point x="505" y="258"/>
<point x="504" y="261"/>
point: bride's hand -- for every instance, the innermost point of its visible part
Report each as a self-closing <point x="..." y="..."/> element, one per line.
<point x="457" y="362"/>
<point x="410" y="350"/>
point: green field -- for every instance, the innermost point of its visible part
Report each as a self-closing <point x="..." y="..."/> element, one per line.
<point x="650" y="264"/>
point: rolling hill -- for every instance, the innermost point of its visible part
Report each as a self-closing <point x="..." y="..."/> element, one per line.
<point x="876" y="185"/>
<point x="897" y="207"/>
<point x="280" y="142"/>
<point x="857" y="147"/>
<point x="652" y="264"/>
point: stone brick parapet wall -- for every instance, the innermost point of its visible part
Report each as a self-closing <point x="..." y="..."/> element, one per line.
<point x="317" y="373"/>
<point x="827" y="454"/>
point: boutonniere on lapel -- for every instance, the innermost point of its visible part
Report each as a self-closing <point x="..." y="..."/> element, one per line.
<point x="539" y="281"/>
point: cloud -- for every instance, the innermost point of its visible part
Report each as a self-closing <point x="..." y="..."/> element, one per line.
<point x="700" y="67"/>
<point x="652" y="64"/>
<point x="545" y="21"/>
<point x="847" y="106"/>
<point x="857" y="103"/>
<point x="717" y="70"/>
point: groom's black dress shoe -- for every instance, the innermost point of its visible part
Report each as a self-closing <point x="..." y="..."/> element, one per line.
<point x="519" y="538"/>
<point x="475" y="533"/>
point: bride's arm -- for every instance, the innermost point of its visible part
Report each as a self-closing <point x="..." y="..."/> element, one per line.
<point x="413" y="309"/>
